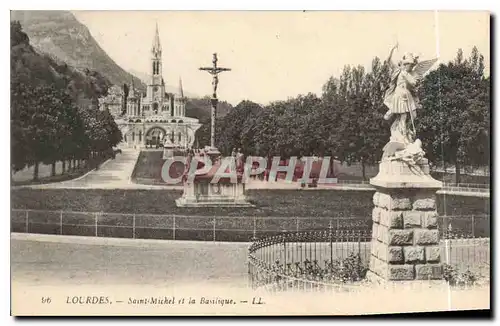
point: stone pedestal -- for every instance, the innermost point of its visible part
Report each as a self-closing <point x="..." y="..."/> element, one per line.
<point x="201" y="192"/>
<point x="405" y="235"/>
<point x="205" y="194"/>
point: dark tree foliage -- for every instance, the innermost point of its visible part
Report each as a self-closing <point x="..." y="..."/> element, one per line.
<point x="54" y="115"/>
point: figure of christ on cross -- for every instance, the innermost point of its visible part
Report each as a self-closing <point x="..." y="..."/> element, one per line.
<point x="214" y="71"/>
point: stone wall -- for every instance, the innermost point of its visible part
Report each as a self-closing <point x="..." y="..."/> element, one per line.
<point x="405" y="237"/>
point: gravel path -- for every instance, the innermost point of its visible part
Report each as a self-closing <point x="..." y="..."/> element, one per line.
<point x="80" y="260"/>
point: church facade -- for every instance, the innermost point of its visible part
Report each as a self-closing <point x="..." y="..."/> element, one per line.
<point x="156" y="117"/>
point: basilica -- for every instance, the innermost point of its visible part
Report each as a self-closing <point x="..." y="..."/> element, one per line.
<point x="156" y="117"/>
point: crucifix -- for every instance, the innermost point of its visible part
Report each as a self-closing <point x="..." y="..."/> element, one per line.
<point x="214" y="71"/>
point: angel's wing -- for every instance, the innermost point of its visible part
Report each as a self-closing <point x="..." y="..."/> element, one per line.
<point x="422" y="68"/>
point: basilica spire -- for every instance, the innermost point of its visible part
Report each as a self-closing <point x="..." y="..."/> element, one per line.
<point x="156" y="41"/>
<point x="181" y="91"/>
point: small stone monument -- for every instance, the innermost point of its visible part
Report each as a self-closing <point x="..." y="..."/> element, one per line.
<point x="405" y="235"/>
<point x="201" y="191"/>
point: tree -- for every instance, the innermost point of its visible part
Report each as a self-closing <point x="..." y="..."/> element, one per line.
<point x="355" y="131"/>
<point x="233" y="124"/>
<point x="455" y="115"/>
<point x="46" y="124"/>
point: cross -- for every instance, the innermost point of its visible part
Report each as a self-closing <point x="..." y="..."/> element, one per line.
<point x="214" y="71"/>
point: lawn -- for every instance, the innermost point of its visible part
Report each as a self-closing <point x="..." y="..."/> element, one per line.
<point x="353" y="172"/>
<point x="149" y="165"/>
<point x="275" y="211"/>
<point x="284" y="203"/>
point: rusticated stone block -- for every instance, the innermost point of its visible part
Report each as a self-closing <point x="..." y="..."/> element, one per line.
<point x="429" y="272"/>
<point x="376" y="197"/>
<point x="372" y="262"/>
<point x="381" y="268"/>
<point x="395" y="255"/>
<point x="375" y="230"/>
<point x="426" y="237"/>
<point x="414" y="254"/>
<point x="376" y="214"/>
<point x="403" y="203"/>
<point x="382" y="252"/>
<point x="391" y="219"/>
<point x="393" y="201"/>
<point x="374" y="265"/>
<point x="401" y="272"/>
<point x="433" y="254"/>
<point x="400" y="237"/>
<point x="424" y="201"/>
<point x="412" y="219"/>
<point x="396" y="220"/>
<point x="374" y="248"/>
<point x="383" y="200"/>
<point x="382" y="233"/>
<point x="430" y="220"/>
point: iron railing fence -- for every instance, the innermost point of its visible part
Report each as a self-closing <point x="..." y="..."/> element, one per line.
<point x="293" y="252"/>
<point x="310" y="260"/>
<point x="212" y="228"/>
<point x="172" y="226"/>
<point x="334" y="259"/>
<point x="472" y="187"/>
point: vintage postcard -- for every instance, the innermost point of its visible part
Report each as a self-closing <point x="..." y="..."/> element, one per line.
<point x="249" y="162"/>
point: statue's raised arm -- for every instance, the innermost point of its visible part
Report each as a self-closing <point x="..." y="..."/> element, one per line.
<point x="389" y="59"/>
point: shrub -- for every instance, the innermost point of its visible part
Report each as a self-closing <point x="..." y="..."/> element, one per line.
<point x="458" y="278"/>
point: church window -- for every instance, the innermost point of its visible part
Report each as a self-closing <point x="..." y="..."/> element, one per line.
<point x="140" y="135"/>
<point x="133" y="136"/>
<point x="179" y="137"/>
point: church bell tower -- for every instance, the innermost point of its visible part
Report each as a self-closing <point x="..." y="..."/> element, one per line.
<point x="156" y="59"/>
<point x="156" y="69"/>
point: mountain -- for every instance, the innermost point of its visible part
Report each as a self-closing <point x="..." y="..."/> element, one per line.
<point x="60" y="35"/>
<point x="30" y="69"/>
<point x="200" y="108"/>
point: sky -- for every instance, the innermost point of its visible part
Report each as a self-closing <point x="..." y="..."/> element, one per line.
<point x="279" y="54"/>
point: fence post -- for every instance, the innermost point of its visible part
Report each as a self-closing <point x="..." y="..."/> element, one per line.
<point x="173" y="228"/>
<point x="27" y="221"/>
<point x="214" y="230"/>
<point x="95" y="218"/>
<point x="473" y="220"/>
<point x="330" y="235"/>
<point x="60" y="222"/>
<point x="133" y="226"/>
<point x="284" y="249"/>
<point x="254" y="228"/>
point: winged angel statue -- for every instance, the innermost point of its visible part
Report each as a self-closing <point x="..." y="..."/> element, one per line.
<point x="402" y="103"/>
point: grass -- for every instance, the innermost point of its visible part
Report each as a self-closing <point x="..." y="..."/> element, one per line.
<point x="148" y="171"/>
<point x="353" y="172"/>
<point x="284" y="203"/>
<point x="50" y="179"/>
<point x="25" y="176"/>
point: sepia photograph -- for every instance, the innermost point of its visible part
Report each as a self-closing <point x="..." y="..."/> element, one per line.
<point x="249" y="163"/>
